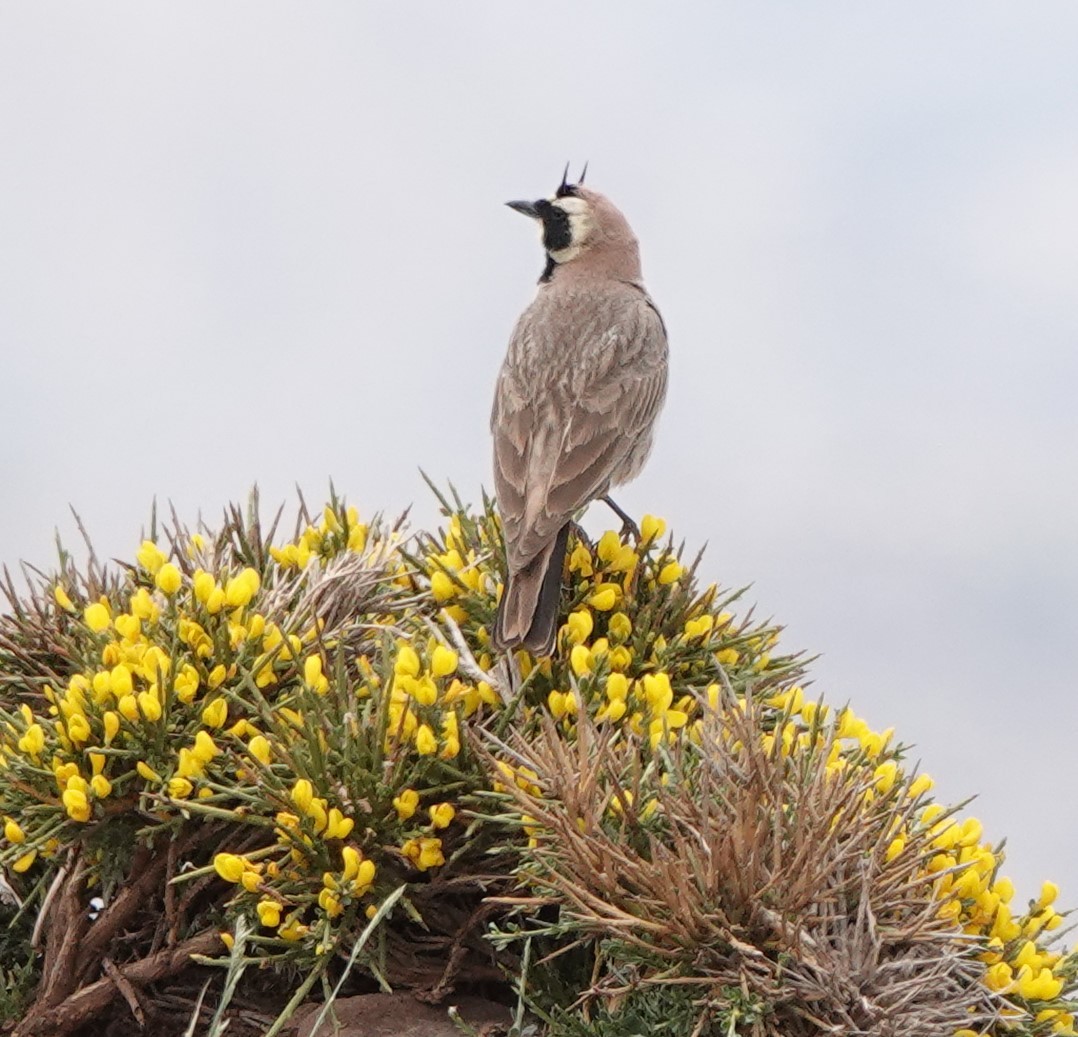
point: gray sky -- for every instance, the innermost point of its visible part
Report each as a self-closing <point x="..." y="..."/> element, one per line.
<point x="265" y="242"/>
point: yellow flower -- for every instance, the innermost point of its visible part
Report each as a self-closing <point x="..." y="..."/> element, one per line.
<point x="657" y="691"/>
<point x="442" y="587"/>
<point x="328" y="902"/>
<point x="128" y="627"/>
<point x="101" y="785"/>
<point x="205" y="748"/>
<point x="229" y="866"/>
<point x="146" y="771"/>
<point x="651" y="528"/>
<point x="259" y="748"/>
<point x="617" y="687"/>
<point x="885" y="775"/>
<point x="998" y="976"/>
<point x="216" y="713"/>
<point x="187" y="682"/>
<point x="364" y="877"/>
<point x="338" y="826"/>
<point x="62" y="599"/>
<point x="580" y="625"/>
<point x="303" y="794"/>
<point x="120" y="681"/>
<point x="613" y="711"/>
<point x="605" y="597"/>
<point x="727" y="656"/>
<point x="76" y="804"/>
<point x="313" y="676"/>
<point x="102" y="687"/>
<point x="179" y="788"/>
<point x="699" y="627"/>
<point x="111" y="722"/>
<point x="620" y="627"/>
<point x="407" y="662"/>
<point x="12" y="832"/>
<point x="406" y="803"/>
<point x="78" y="728"/>
<point x="97" y="617"/>
<point x="269" y="913"/>
<point x="33" y="740"/>
<point x="352" y="859"/>
<point x="608" y="546"/>
<point x="168" y="578"/>
<point x="580" y="659"/>
<point x="969" y="832"/>
<point x="580" y="560"/>
<point x="203" y="585"/>
<point x="1039" y="985"/>
<point x="128" y="707"/>
<point x="67" y="775"/>
<point x="241" y="589"/>
<point x="149" y="705"/>
<point x="150" y="556"/>
<point x="450" y="737"/>
<point x="920" y="785"/>
<point x="24" y="862"/>
<point x="443" y="661"/>
<point x="671" y="572"/>
<point x="441" y="815"/>
<point x="424" y="853"/>
<point x="293" y="930"/>
<point x="1049" y="892"/>
<point x="1004" y="889"/>
<point x="425" y="742"/>
<point x="556" y="703"/>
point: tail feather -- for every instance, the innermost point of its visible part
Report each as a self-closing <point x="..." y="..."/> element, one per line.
<point x="528" y="612"/>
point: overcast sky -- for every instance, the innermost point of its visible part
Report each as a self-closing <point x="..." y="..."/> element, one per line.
<point x="265" y="242"/>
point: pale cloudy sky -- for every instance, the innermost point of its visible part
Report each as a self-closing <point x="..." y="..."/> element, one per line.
<point x="265" y="242"/>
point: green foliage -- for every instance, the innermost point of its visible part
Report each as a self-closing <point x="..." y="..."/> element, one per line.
<point x="241" y="732"/>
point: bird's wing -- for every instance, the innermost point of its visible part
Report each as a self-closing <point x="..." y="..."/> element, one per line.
<point x="564" y="420"/>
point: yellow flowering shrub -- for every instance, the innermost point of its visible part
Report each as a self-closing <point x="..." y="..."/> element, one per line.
<point x="242" y="727"/>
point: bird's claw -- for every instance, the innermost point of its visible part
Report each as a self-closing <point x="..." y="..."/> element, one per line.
<point x="628" y="526"/>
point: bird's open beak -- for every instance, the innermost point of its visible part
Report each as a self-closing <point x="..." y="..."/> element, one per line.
<point x="528" y="208"/>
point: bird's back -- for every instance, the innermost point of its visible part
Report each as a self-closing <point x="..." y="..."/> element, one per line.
<point x="582" y="381"/>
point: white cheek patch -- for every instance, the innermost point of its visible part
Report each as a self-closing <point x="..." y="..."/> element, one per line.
<point x="580" y="226"/>
<point x="573" y="206"/>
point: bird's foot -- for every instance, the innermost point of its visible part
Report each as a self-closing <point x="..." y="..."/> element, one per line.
<point x="628" y="526"/>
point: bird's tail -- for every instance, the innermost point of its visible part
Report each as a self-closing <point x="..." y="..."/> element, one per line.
<point x="528" y="612"/>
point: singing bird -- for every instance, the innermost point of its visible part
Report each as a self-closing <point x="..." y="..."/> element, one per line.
<point x="576" y="402"/>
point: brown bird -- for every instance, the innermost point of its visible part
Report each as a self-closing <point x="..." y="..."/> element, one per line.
<point x="576" y="402"/>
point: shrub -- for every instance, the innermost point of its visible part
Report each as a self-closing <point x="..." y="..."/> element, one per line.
<point x="241" y="749"/>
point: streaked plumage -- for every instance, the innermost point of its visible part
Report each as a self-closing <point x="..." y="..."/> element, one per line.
<point x="576" y="401"/>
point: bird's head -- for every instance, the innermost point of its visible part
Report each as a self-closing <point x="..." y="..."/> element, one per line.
<point x="582" y="227"/>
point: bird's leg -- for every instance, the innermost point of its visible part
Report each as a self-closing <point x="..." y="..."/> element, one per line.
<point x="578" y="531"/>
<point x="627" y="524"/>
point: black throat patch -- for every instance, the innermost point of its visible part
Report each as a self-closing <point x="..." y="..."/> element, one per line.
<point x="557" y="234"/>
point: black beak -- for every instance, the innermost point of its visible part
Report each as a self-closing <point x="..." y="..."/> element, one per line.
<point x="528" y="208"/>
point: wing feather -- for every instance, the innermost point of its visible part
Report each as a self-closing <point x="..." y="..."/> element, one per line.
<point x="577" y="397"/>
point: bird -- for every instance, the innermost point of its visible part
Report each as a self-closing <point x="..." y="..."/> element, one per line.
<point x="576" y="400"/>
